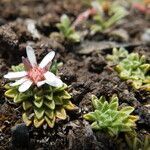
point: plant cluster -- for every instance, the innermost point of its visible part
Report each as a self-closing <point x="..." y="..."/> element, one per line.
<point x="109" y="118"/>
<point x="107" y="15"/>
<point x="67" y="30"/>
<point x="117" y="55"/>
<point x="132" y="67"/>
<point x="42" y="103"/>
<point x="135" y="143"/>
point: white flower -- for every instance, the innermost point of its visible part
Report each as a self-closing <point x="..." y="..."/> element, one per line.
<point x="33" y="73"/>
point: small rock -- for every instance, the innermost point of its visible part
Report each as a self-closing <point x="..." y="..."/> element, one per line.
<point x="8" y="38"/>
<point x="20" y="136"/>
<point x="81" y="137"/>
<point x="120" y="35"/>
<point x="146" y="36"/>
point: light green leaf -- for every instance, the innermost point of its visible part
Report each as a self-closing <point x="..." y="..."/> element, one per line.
<point x="90" y="116"/>
<point x="26" y="105"/>
<point x="127" y="110"/>
<point x="65" y="95"/>
<point x="11" y="93"/>
<point x="38" y="122"/>
<point x="50" y="104"/>
<point x="49" y="113"/>
<point x="61" y="113"/>
<point x="26" y="120"/>
<point x="50" y="122"/>
<point x="39" y="112"/>
<point x="70" y="106"/>
<point x="38" y="103"/>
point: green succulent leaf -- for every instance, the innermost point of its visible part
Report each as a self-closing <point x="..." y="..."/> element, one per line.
<point x="19" y="98"/>
<point x="90" y="116"/>
<point x="58" y="100"/>
<point x="38" y="122"/>
<point x="39" y="113"/>
<point x="18" y="68"/>
<point x="95" y="126"/>
<point x="26" y="119"/>
<point x="11" y="93"/>
<point x="38" y="103"/>
<point x="49" y="113"/>
<point x="69" y="106"/>
<point x="26" y="105"/>
<point x="50" y="122"/>
<point x="50" y="104"/>
<point x="61" y="113"/>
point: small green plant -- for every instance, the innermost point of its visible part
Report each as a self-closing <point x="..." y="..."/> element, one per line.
<point x="117" y="55"/>
<point x="134" y="143"/>
<point x="67" y="30"/>
<point x="103" y="20"/>
<point x="132" y="68"/>
<point x="109" y="118"/>
<point x="43" y="96"/>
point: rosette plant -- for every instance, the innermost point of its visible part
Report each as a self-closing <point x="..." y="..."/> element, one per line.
<point x="117" y="55"/>
<point x="131" y="67"/>
<point x="109" y="118"/>
<point x="67" y="30"/>
<point x="42" y="94"/>
<point x="108" y="14"/>
<point x="135" y="70"/>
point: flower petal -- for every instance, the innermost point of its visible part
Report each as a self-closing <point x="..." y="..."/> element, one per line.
<point x="26" y="63"/>
<point x="52" y="80"/>
<point x="15" y="75"/>
<point x="40" y="83"/>
<point x="47" y="59"/>
<point x="25" y="86"/>
<point x="18" y="82"/>
<point x="31" y="55"/>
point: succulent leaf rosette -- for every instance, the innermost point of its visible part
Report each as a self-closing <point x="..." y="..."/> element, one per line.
<point x="107" y="116"/>
<point x="67" y="30"/>
<point x="131" y="67"/>
<point x="42" y="94"/>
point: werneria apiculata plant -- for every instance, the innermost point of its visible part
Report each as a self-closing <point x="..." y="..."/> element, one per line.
<point x="108" y="14"/>
<point x="132" y="67"/>
<point x="107" y="117"/>
<point x="67" y="30"/>
<point x="42" y="94"/>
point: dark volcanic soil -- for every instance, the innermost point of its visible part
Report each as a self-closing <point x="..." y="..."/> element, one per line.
<point x="87" y="74"/>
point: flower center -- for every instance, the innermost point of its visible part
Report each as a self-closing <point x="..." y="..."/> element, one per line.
<point x="36" y="74"/>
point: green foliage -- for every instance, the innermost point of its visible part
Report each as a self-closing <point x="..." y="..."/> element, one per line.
<point x="135" y="143"/>
<point x="67" y="30"/>
<point x="103" y="21"/>
<point x="20" y="67"/>
<point x="41" y="105"/>
<point x="134" y="69"/>
<point x="117" y="55"/>
<point x="108" y="118"/>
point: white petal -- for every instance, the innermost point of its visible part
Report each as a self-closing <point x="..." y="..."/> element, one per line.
<point x="46" y="60"/>
<point x="40" y="83"/>
<point x="15" y="75"/>
<point x="18" y="82"/>
<point x="31" y="55"/>
<point x="25" y="86"/>
<point x="52" y="80"/>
